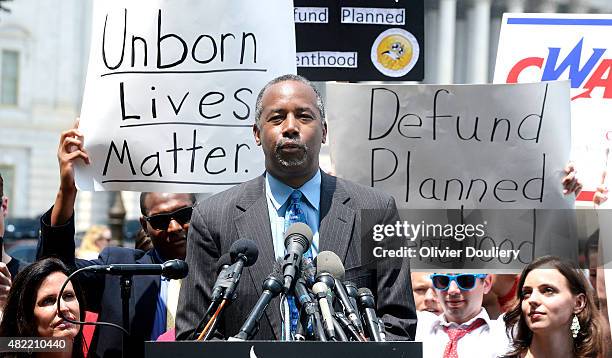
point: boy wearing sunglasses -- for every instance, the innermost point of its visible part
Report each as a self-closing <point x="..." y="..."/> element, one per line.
<point x="165" y="219"/>
<point x="464" y="329"/>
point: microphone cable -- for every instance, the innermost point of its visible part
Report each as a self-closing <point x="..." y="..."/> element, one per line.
<point x="212" y="323"/>
<point x="61" y="314"/>
<point x="208" y="311"/>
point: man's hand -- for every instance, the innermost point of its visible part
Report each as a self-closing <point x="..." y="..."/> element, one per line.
<point x="570" y="183"/>
<point x="601" y="194"/>
<point x="70" y="150"/>
<point x="5" y="284"/>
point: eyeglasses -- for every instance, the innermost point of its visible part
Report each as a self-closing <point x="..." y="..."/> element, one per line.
<point x="465" y="281"/>
<point x="161" y="221"/>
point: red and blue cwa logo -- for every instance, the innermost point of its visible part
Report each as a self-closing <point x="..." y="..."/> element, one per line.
<point x="595" y="72"/>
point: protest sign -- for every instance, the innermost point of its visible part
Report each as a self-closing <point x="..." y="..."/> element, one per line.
<point x="464" y="147"/>
<point x="470" y="146"/>
<point x="534" y="47"/>
<point x="171" y="87"/>
<point x="357" y="40"/>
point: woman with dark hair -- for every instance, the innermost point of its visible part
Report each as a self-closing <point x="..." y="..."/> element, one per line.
<point x="556" y="315"/>
<point x="31" y="308"/>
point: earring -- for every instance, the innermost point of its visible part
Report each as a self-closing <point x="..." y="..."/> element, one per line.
<point x="575" y="327"/>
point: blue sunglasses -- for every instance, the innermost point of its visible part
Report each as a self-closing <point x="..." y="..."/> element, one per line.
<point x="465" y="281"/>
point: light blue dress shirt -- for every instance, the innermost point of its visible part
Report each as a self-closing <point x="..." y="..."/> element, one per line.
<point x="277" y="194"/>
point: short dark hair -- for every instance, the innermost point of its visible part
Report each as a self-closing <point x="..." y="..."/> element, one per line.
<point x="590" y="341"/>
<point x="284" y="78"/>
<point x="18" y="320"/>
<point x="143" y="199"/>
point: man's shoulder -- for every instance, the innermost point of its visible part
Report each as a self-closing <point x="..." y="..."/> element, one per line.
<point x="360" y="192"/>
<point x="232" y="194"/>
<point x="121" y="255"/>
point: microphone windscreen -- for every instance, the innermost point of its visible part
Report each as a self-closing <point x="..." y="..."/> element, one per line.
<point x="224" y="260"/>
<point x="175" y="269"/>
<point x="247" y="248"/>
<point x="365" y="298"/>
<point x="329" y="262"/>
<point x="319" y="287"/>
<point x="300" y="232"/>
<point x="364" y="291"/>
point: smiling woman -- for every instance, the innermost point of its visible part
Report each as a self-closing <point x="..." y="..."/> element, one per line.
<point x="556" y="315"/>
<point x="31" y="308"/>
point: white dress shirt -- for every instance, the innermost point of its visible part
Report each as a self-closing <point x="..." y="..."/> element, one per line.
<point x="488" y="340"/>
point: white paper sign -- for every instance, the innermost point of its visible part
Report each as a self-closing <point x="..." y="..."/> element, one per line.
<point x="545" y="47"/>
<point x="171" y="91"/>
<point x="476" y="146"/>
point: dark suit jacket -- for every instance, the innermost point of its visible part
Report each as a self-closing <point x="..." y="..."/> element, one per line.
<point x="242" y="212"/>
<point x="103" y="292"/>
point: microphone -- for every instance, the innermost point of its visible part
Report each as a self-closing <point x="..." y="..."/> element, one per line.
<point x="320" y="290"/>
<point x="222" y="282"/>
<point x="244" y="253"/>
<point x="223" y="272"/>
<point x="224" y="262"/>
<point x="309" y="309"/>
<point x="272" y="287"/>
<point x="308" y="271"/>
<point x="172" y="269"/>
<point x="351" y="290"/>
<point x="366" y="305"/>
<point x="328" y="263"/>
<point x="298" y="239"/>
<point x="346" y="324"/>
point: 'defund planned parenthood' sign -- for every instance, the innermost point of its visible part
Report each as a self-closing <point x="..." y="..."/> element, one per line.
<point x="357" y="40"/>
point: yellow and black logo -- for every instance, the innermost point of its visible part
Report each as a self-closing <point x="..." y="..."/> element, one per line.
<point x="395" y="52"/>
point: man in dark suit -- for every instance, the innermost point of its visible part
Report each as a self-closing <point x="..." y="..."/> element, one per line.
<point x="165" y="219"/>
<point x="9" y="266"/>
<point x="290" y="126"/>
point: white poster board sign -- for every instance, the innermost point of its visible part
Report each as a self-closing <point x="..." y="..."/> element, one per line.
<point x="470" y="146"/>
<point x="546" y="47"/>
<point x="171" y="89"/>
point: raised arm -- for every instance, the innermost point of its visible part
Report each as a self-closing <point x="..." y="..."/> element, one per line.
<point x="69" y="151"/>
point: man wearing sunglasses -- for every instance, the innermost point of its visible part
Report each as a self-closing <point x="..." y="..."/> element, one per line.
<point x="165" y="219"/>
<point x="464" y="328"/>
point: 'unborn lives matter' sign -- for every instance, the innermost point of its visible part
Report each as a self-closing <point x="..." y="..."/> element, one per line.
<point x="171" y="87"/>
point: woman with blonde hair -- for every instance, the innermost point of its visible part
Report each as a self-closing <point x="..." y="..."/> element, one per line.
<point x="556" y="315"/>
<point x="94" y="241"/>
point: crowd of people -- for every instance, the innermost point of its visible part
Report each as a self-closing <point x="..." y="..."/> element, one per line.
<point x="548" y="310"/>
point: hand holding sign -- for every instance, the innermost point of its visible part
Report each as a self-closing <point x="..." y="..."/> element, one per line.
<point x="69" y="151"/>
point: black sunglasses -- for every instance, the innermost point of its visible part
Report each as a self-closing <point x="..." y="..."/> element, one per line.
<point x="161" y="221"/>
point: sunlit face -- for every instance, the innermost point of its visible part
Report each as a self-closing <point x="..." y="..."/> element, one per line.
<point x="170" y="242"/>
<point x="424" y="295"/>
<point x="461" y="306"/>
<point x="290" y="130"/>
<point x="48" y="322"/>
<point x="547" y="302"/>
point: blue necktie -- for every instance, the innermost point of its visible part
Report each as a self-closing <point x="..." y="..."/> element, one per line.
<point x="295" y="214"/>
